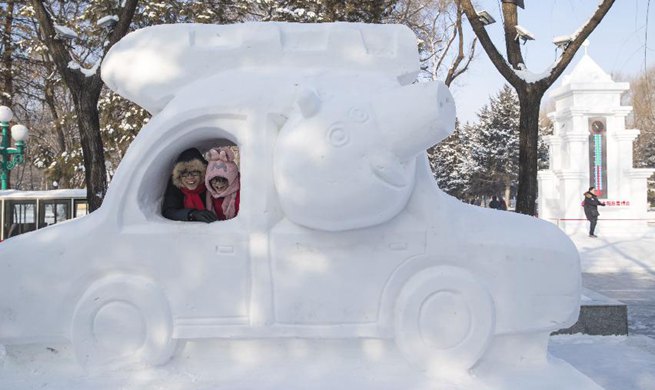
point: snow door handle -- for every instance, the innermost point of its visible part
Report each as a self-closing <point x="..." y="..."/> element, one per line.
<point x="225" y="249"/>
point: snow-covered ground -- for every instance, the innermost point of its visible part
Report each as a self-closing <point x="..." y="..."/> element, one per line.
<point x="613" y="362"/>
<point x="611" y="254"/>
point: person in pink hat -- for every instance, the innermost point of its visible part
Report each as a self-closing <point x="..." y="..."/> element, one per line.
<point x="222" y="182"/>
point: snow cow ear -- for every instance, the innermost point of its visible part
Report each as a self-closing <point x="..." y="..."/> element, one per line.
<point x="309" y="102"/>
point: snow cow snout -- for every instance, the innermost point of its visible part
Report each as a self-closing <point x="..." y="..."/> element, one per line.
<point x="347" y="161"/>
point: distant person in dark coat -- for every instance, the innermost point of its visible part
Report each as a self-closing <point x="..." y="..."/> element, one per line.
<point x="502" y="205"/>
<point x="590" y="205"/>
<point x="494" y="204"/>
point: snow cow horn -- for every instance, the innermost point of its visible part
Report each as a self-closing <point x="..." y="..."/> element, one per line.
<point x="309" y="102"/>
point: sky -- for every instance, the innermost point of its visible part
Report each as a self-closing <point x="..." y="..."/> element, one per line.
<point x="617" y="45"/>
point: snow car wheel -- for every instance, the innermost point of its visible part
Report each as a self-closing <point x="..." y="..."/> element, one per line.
<point x="444" y="319"/>
<point x="121" y="320"/>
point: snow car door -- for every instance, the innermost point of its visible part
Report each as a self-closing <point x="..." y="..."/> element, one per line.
<point x="203" y="268"/>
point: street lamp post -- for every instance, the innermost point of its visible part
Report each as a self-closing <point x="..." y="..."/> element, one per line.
<point x="11" y="157"/>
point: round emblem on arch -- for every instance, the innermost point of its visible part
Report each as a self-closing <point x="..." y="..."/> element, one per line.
<point x="358" y="115"/>
<point x="337" y="135"/>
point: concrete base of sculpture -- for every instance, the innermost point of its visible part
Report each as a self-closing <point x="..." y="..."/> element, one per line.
<point x="599" y="315"/>
<point x="293" y="364"/>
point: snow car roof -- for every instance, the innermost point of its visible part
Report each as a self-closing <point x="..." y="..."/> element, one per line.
<point x="163" y="59"/>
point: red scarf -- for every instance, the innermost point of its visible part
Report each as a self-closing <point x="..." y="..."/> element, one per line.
<point x="192" y="198"/>
<point x="218" y="203"/>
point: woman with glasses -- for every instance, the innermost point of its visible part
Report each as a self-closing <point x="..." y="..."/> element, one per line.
<point x="185" y="196"/>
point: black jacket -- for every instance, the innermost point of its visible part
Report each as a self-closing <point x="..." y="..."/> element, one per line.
<point x="591" y="204"/>
<point x="173" y="205"/>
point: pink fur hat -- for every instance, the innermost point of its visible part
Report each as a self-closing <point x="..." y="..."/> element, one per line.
<point x="221" y="163"/>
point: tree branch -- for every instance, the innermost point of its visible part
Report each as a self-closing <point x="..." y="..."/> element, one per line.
<point x="453" y="70"/>
<point x="572" y="48"/>
<point x="496" y="58"/>
<point x="122" y="27"/>
<point x="512" y="45"/>
<point x="60" y="55"/>
<point x="468" y="61"/>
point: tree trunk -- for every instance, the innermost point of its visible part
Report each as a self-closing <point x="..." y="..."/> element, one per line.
<point x="85" y="97"/>
<point x="85" y="90"/>
<point x="49" y="97"/>
<point x="512" y="45"/>
<point x="6" y="98"/>
<point x="7" y="61"/>
<point x="529" y="100"/>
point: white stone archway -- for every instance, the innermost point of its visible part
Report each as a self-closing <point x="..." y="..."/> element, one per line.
<point x="591" y="146"/>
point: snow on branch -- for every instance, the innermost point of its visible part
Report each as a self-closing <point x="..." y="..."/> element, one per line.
<point x="107" y="21"/>
<point x="74" y="65"/>
<point x="65" y="32"/>
<point x="523" y="33"/>
<point x="524" y="74"/>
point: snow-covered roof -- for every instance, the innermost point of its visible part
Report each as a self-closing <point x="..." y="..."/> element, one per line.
<point x="587" y="75"/>
<point x="587" y="71"/>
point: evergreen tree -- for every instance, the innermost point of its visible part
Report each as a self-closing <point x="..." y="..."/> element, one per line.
<point x="451" y="163"/>
<point x="495" y="150"/>
<point x="545" y="130"/>
<point x="317" y="11"/>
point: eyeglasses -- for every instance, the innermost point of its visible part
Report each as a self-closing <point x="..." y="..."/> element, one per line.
<point x="186" y="174"/>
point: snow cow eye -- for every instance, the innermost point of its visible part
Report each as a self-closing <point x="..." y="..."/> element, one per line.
<point x="358" y="115"/>
<point x="337" y="135"/>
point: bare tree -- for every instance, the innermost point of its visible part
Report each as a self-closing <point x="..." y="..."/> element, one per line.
<point x="438" y="26"/>
<point x="85" y="87"/>
<point x="530" y="91"/>
<point x="7" y="58"/>
<point x="642" y="99"/>
<point x="643" y="103"/>
<point x="7" y="95"/>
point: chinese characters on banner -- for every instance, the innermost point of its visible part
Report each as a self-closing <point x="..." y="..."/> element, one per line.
<point x="617" y="203"/>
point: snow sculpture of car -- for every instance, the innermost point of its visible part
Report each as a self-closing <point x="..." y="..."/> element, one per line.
<point x="342" y="232"/>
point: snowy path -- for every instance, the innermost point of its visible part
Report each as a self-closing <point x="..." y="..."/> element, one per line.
<point x="617" y="254"/>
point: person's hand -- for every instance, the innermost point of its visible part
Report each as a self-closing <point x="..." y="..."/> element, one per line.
<point x="202" y="216"/>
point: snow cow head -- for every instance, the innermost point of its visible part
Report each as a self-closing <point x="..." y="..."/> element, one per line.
<point x="347" y="161"/>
